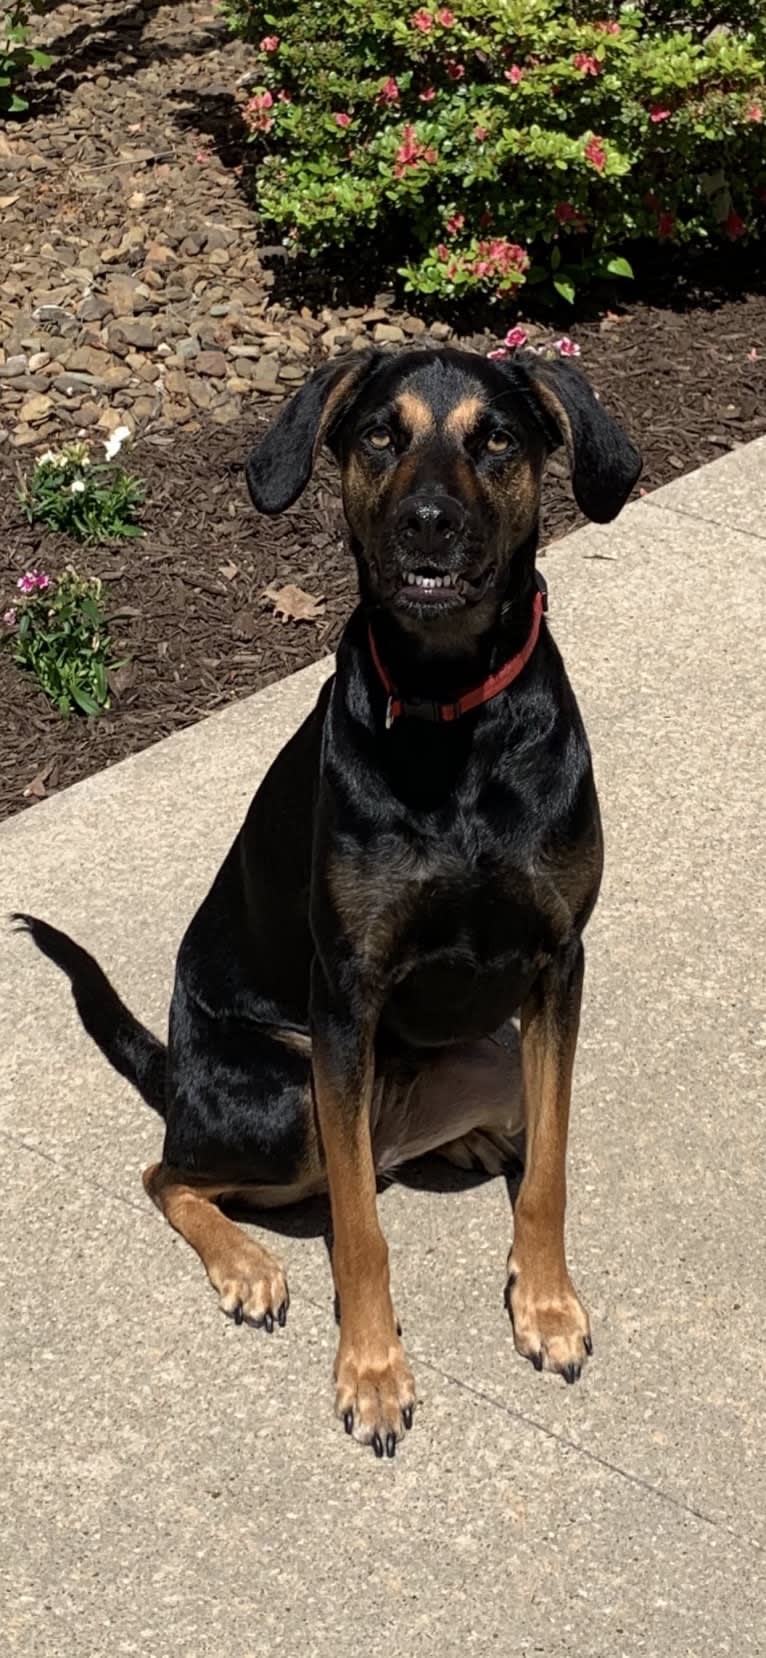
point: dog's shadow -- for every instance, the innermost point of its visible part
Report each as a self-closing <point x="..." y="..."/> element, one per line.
<point x="312" y="1219"/>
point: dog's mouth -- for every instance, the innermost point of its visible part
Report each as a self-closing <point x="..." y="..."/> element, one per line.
<point x="429" y="588"/>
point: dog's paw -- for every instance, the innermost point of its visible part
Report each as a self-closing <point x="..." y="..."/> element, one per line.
<point x="375" y="1396"/>
<point x="252" y="1287"/>
<point x="551" y="1327"/>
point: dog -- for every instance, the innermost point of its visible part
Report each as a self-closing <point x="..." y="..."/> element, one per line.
<point x="415" y="871"/>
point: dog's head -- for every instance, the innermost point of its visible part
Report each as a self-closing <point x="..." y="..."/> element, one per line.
<point x="441" y="456"/>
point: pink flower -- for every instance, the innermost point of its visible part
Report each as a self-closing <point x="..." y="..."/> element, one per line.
<point x="480" y="133"/>
<point x="565" y="212"/>
<point x="735" y="226"/>
<point x="666" y="224"/>
<point x="255" y="112"/>
<point x="499" y="351"/>
<point x="608" y="27"/>
<point x="595" y="153"/>
<point x="445" y="17"/>
<point x="389" y="92"/>
<point x="455" y="223"/>
<point x="456" y="71"/>
<point x="516" y="338"/>
<point x="9" y="615"/>
<point x="284" y="97"/>
<point x="566" y="347"/>
<point x="423" y="21"/>
<point x="586" y="63"/>
<point x="752" y="357"/>
<point x="202" y="157"/>
<point x="270" y="43"/>
<point x="411" y="152"/>
<point x="342" y="120"/>
<point x="659" y="113"/>
<point x="428" y="96"/>
<point x="514" y="74"/>
<point x="754" y="112"/>
<point x="443" y="251"/>
<point x="33" y="581"/>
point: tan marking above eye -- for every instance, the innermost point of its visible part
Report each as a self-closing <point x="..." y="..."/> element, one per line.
<point x="464" y="416"/>
<point x="415" y="415"/>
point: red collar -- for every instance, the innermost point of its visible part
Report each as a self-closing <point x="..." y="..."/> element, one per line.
<point x="443" y="713"/>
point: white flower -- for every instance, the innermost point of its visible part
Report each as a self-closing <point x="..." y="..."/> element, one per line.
<point x="114" y="444"/>
<point x="48" y="459"/>
<point x="77" y="487"/>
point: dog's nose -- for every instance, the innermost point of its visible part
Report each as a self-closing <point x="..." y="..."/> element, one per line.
<point x="429" y="522"/>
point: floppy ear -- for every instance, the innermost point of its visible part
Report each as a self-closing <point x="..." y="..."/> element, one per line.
<point x="603" y="461"/>
<point x="279" y="469"/>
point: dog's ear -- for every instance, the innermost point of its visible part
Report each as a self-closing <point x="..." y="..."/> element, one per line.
<point x="603" y="461"/>
<point x="279" y="469"/>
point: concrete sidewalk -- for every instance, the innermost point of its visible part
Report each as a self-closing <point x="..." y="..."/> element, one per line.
<point x="176" y="1487"/>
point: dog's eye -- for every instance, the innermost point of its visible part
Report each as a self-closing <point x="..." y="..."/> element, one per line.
<point x="500" y="443"/>
<point x="379" y="437"/>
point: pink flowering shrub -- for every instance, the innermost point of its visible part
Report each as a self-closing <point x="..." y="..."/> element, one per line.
<point x="478" y="146"/>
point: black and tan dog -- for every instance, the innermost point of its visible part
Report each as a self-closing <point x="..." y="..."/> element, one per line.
<point x="418" y="865"/>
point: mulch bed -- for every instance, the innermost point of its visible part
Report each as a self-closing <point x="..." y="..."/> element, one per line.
<point x="186" y="602"/>
<point x="138" y="291"/>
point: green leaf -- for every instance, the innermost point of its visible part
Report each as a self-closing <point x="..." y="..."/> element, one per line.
<point x="620" y="267"/>
<point x="84" y="701"/>
<point x="555" y="259"/>
<point x="565" y="288"/>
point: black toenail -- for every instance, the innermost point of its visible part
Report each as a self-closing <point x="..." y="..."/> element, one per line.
<point x="377" y="1445"/>
<point x="238" y="1313"/>
<point x="588" y="1345"/>
<point x="391" y="1445"/>
<point x="269" y="1322"/>
<point x="348" y="1421"/>
<point x="282" y="1316"/>
<point x="407" y="1416"/>
<point x="537" y="1360"/>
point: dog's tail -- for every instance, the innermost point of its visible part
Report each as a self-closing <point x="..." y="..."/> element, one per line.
<point x="127" y="1044"/>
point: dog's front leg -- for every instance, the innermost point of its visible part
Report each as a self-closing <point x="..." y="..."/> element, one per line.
<point x="375" y="1391"/>
<point x="550" y="1325"/>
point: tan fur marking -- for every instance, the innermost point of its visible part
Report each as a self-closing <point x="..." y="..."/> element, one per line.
<point x="416" y="416"/>
<point x="464" y="416"/>
<point x="373" y="1381"/>
<point x="250" y="1281"/>
<point x="549" y="1322"/>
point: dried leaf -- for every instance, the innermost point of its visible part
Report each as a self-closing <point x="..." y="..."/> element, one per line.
<point x="291" y="604"/>
<point x="229" y="569"/>
<point x="8" y="201"/>
<point x="120" y="679"/>
<point x="36" y="790"/>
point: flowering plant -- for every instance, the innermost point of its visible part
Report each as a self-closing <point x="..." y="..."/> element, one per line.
<point x="562" y="130"/>
<point x="17" y="54"/>
<point x="60" y="634"/>
<point x="90" y="500"/>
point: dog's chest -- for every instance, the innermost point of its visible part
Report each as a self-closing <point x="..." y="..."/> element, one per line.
<point x="452" y="927"/>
